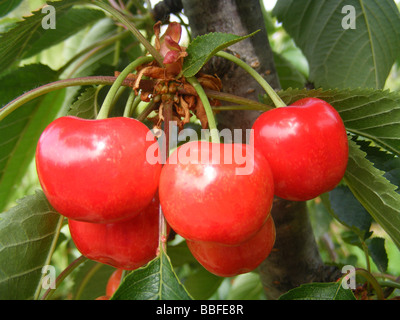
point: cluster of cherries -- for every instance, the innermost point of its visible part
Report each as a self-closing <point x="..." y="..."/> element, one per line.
<point x="97" y="174"/>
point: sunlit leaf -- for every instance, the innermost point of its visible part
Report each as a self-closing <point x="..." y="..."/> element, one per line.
<point x="28" y="235"/>
<point x="7" y="6"/>
<point x="155" y="281"/>
<point x="342" y="57"/>
<point x="374" y="192"/>
<point x="20" y="131"/>
<point x="319" y="291"/>
<point x="28" y="37"/>
<point x="202" y="48"/>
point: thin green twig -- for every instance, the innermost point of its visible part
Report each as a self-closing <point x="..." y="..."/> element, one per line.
<point x="76" y="263"/>
<point x="107" y="103"/>
<point x="264" y="84"/>
<point x="207" y="107"/>
<point x="131" y="27"/>
<point x="53" y="86"/>
<point x="131" y="104"/>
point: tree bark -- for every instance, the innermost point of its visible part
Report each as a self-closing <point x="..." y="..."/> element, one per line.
<point x="295" y="258"/>
<point x="239" y="18"/>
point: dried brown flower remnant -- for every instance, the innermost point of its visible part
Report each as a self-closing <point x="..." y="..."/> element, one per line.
<point x="170" y="87"/>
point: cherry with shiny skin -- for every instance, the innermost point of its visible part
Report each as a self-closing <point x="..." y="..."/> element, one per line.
<point x="127" y="244"/>
<point x="97" y="170"/>
<point x="306" y="146"/>
<point x="208" y="200"/>
<point x="229" y="261"/>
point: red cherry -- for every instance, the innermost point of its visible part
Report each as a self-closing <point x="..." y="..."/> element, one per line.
<point x="127" y="244"/>
<point x="97" y="170"/>
<point x="229" y="261"/>
<point x="226" y="200"/>
<point x="113" y="282"/>
<point x="306" y="146"/>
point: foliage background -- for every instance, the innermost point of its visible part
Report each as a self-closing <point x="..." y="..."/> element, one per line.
<point x="334" y="239"/>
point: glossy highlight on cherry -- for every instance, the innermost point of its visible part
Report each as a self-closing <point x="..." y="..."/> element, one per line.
<point x="306" y="146"/>
<point x="205" y="200"/>
<point x="97" y="170"/>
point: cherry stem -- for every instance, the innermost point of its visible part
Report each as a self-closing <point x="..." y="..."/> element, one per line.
<point x="109" y="80"/>
<point x="163" y="232"/>
<point x="207" y="107"/>
<point x="162" y="229"/>
<point x="371" y="280"/>
<point x="86" y="279"/>
<point x="236" y="107"/>
<point x="264" y="84"/>
<point x="147" y="110"/>
<point x="60" y="84"/>
<point x="131" y="104"/>
<point x="99" y="44"/>
<point x="389" y="283"/>
<point x="76" y="263"/>
<point x="96" y="99"/>
<point x="131" y="27"/>
<point x="242" y="103"/>
<point x="107" y="103"/>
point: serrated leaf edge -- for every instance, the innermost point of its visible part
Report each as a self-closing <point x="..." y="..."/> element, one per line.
<point x="379" y="178"/>
<point x="218" y="48"/>
<point x="162" y="255"/>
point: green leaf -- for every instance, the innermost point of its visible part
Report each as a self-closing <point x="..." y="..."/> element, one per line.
<point x="28" y="235"/>
<point x="20" y="131"/>
<point x="7" y="6"/>
<point x="180" y="254"/>
<point x="375" y="247"/>
<point x="338" y="57"/>
<point x="202" y="48"/>
<point x="67" y="25"/>
<point x="100" y="62"/>
<point x="289" y="76"/>
<point x="377" y="251"/>
<point x="15" y="83"/>
<point x="246" y="286"/>
<point x="382" y="160"/>
<point x="374" y="114"/>
<point x="345" y="208"/>
<point x="374" y="191"/>
<point x="83" y="107"/>
<point x="156" y="281"/>
<point x="90" y="280"/>
<point x="319" y="291"/>
<point x="29" y="37"/>
<point x="202" y="284"/>
<point x="352" y="238"/>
